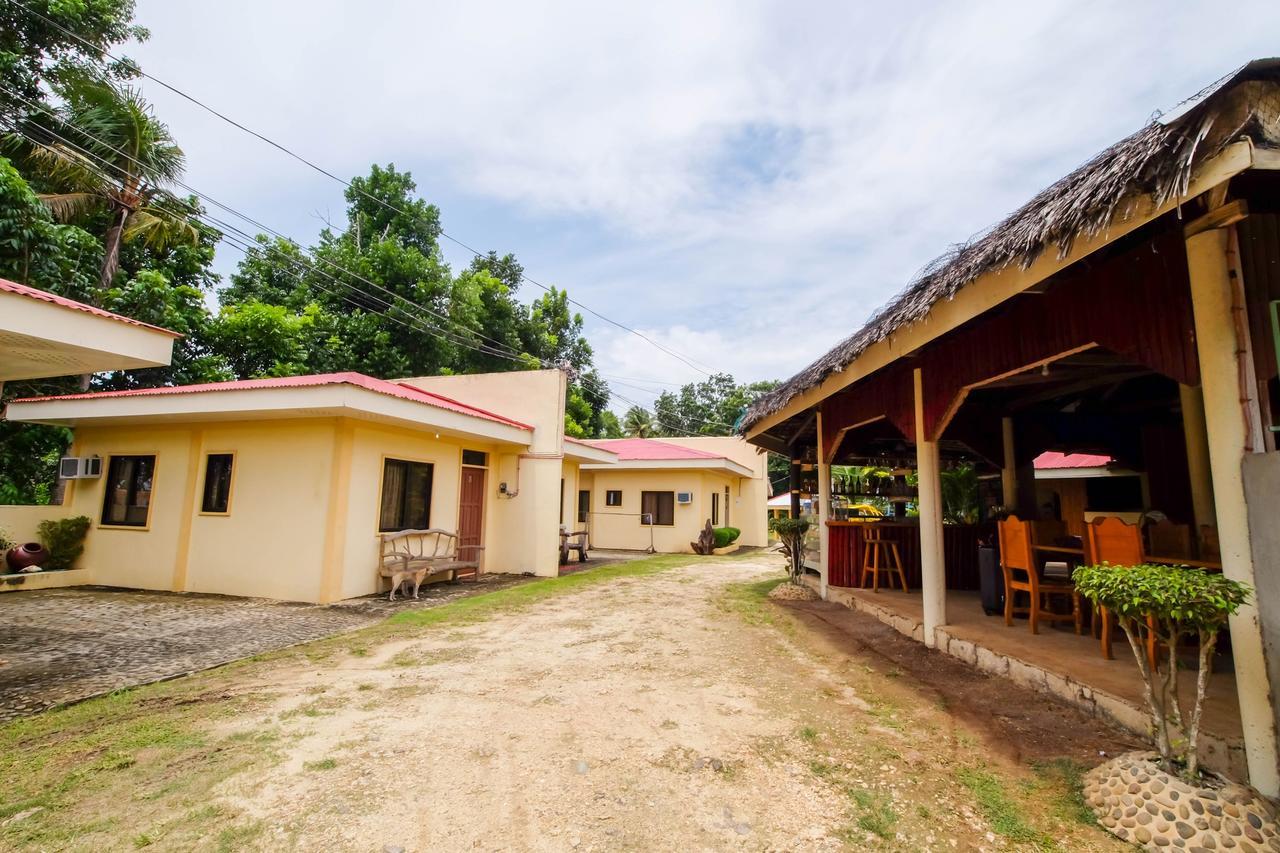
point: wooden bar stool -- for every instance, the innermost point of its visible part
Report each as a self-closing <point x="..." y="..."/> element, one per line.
<point x="881" y="555"/>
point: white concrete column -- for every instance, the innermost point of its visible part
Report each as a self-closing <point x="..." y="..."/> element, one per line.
<point x="1198" y="469"/>
<point x="1009" y="473"/>
<point x="823" y="513"/>
<point x="932" y="567"/>
<point x="1225" y="427"/>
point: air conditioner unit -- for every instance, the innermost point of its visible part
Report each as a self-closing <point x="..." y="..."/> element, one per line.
<point x="80" y="467"/>
<point x="684" y="497"/>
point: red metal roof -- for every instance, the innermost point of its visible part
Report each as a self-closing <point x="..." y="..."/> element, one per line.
<point x="649" y="449"/>
<point x="359" y="380"/>
<point x="1051" y="459"/>
<point x="53" y="299"/>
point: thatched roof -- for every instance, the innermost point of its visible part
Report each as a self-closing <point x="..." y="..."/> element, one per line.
<point x="1157" y="162"/>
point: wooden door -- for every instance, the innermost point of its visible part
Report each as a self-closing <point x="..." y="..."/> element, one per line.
<point x="471" y="507"/>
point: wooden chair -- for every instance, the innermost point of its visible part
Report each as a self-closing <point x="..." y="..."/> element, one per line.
<point x="1166" y="539"/>
<point x="570" y="542"/>
<point x="1021" y="574"/>
<point x="881" y="555"/>
<point x="1111" y="540"/>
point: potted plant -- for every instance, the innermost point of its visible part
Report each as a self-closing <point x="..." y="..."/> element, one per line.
<point x="1154" y="798"/>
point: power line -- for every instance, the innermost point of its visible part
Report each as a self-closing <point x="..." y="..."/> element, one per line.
<point x="299" y="158"/>
<point x="251" y="244"/>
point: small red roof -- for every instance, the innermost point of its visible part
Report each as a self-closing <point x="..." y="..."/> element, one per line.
<point x="359" y="380"/>
<point x="650" y="449"/>
<point x="1051" y="459"/>
<point x="53" y="299"/>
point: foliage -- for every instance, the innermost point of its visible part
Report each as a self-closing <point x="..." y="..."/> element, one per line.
<point x="29" y="456"/>
<point x="1157" y="604"/>
<point x="64" y="539"/>
<point x="791" y="532"/>
<point x="726" y="536"/>
<point x="102" y="150"/>
<point x="637" y="423"/>
<point x="710" y="407"/>
<point x="33" y="50"/>
<point x="36" y="250"/>
<point x="6" y="542"/>
<point x="960" y="504"/>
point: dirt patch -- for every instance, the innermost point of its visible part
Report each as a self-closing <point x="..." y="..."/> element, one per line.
<point x="1022" y="724"/>
<point x="671" y="710"/>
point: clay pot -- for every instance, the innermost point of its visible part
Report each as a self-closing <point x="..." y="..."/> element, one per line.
<point x="28" y="554"/>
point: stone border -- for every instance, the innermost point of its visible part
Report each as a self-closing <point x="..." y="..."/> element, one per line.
<point x="1139" y="803"/>
<point x="20" y="582"/>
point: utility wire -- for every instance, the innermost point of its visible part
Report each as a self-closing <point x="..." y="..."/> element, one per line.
<point x="251" y="245"/>
<point x="321" y="170"/>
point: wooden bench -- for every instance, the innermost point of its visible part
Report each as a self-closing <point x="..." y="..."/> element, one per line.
<point x="413" y="555"/>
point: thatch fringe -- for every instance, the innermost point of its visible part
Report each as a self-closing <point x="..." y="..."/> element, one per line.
<point x="1157" y="162"/>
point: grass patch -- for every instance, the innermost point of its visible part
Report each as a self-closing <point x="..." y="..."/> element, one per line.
<point x="1003" y="814"/>
<point x="322" y="764"/>
<point x="486" y="605"/>
<point x="750" y="601"/>
<point x="1061" y="779"/>
<point x="808" y="733"/>
<point x="877" y="814"/>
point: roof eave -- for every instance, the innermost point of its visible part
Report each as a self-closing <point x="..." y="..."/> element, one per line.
<point x="994" y="287"/>
<point x="335" y="400"/>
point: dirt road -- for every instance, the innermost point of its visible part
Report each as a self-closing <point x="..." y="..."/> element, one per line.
<point x="676" y="710"/>
<point x="639" y="714"/>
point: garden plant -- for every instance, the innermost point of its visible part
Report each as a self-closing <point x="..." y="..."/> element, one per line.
<point x="1162" y="605"/>
<point x="791" y="533"/>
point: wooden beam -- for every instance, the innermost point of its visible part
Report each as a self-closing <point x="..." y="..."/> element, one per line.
<point x="808" y="422"/>
<point x="1220" y="217"/>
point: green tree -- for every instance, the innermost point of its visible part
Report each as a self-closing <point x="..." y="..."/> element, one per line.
<point x="43" y="41"/>
<point x="37" y="251"/>
<point x="710" y="407"/>
<point x="637" y="423"/>
<point x="118" y="161"/>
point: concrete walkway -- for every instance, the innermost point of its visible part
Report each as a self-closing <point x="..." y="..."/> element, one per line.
<point x="64" y="645"/>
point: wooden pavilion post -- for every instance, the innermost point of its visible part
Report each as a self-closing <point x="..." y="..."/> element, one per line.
<point x="933" y="583"/>
<point x="1198" y="468"/>
<point x="797" y="481"/>
<point x="1009" y="472"/>
<point x="1230" y="425"/>
<point x="823" y="511"/>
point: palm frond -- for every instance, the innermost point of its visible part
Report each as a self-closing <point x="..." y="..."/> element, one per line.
<point x="68" y="206"/>
<point x="159" y="229"/>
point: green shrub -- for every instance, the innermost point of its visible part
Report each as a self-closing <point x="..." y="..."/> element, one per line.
<point x="1160" y="605"/>
<point x="64" y="538"/>
<point x="726" y="536"/>
<point x="791" y="533"/>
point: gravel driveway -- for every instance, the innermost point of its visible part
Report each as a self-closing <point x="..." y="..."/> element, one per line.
<point x="63" y="645"/>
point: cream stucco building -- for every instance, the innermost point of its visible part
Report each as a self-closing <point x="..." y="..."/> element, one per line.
<point x="681" y="483"/>
<point x="280" y="487"/>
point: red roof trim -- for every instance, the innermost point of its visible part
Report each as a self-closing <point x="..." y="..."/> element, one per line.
<point x="1052" y="460"/>
<point x="7" y="286"/>
<point x="651" y="450"/>
<point x="359" y="380"/>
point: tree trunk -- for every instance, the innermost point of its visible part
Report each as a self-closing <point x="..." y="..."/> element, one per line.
<point x="111" y="249"/>
<point x="1159" y="719"/>
<point x="1208" y="640"/>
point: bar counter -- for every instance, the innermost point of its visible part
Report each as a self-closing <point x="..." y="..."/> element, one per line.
<point x="960" y="544"/>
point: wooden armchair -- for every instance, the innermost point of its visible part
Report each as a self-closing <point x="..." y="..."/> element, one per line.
<point x="570" y="542"/>
<point x="1115" y="542"/>
<point x="1021" y="574"/>
<point x="412" y="555"/>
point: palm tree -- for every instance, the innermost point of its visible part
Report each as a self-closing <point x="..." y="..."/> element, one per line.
<point x="106" y="152"/>
<point x="637" y="423"/>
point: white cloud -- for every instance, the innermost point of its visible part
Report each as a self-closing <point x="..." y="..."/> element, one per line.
<point x="744" y="181"/>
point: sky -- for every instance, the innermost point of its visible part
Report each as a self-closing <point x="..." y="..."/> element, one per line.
<point x="743" y="182"/>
